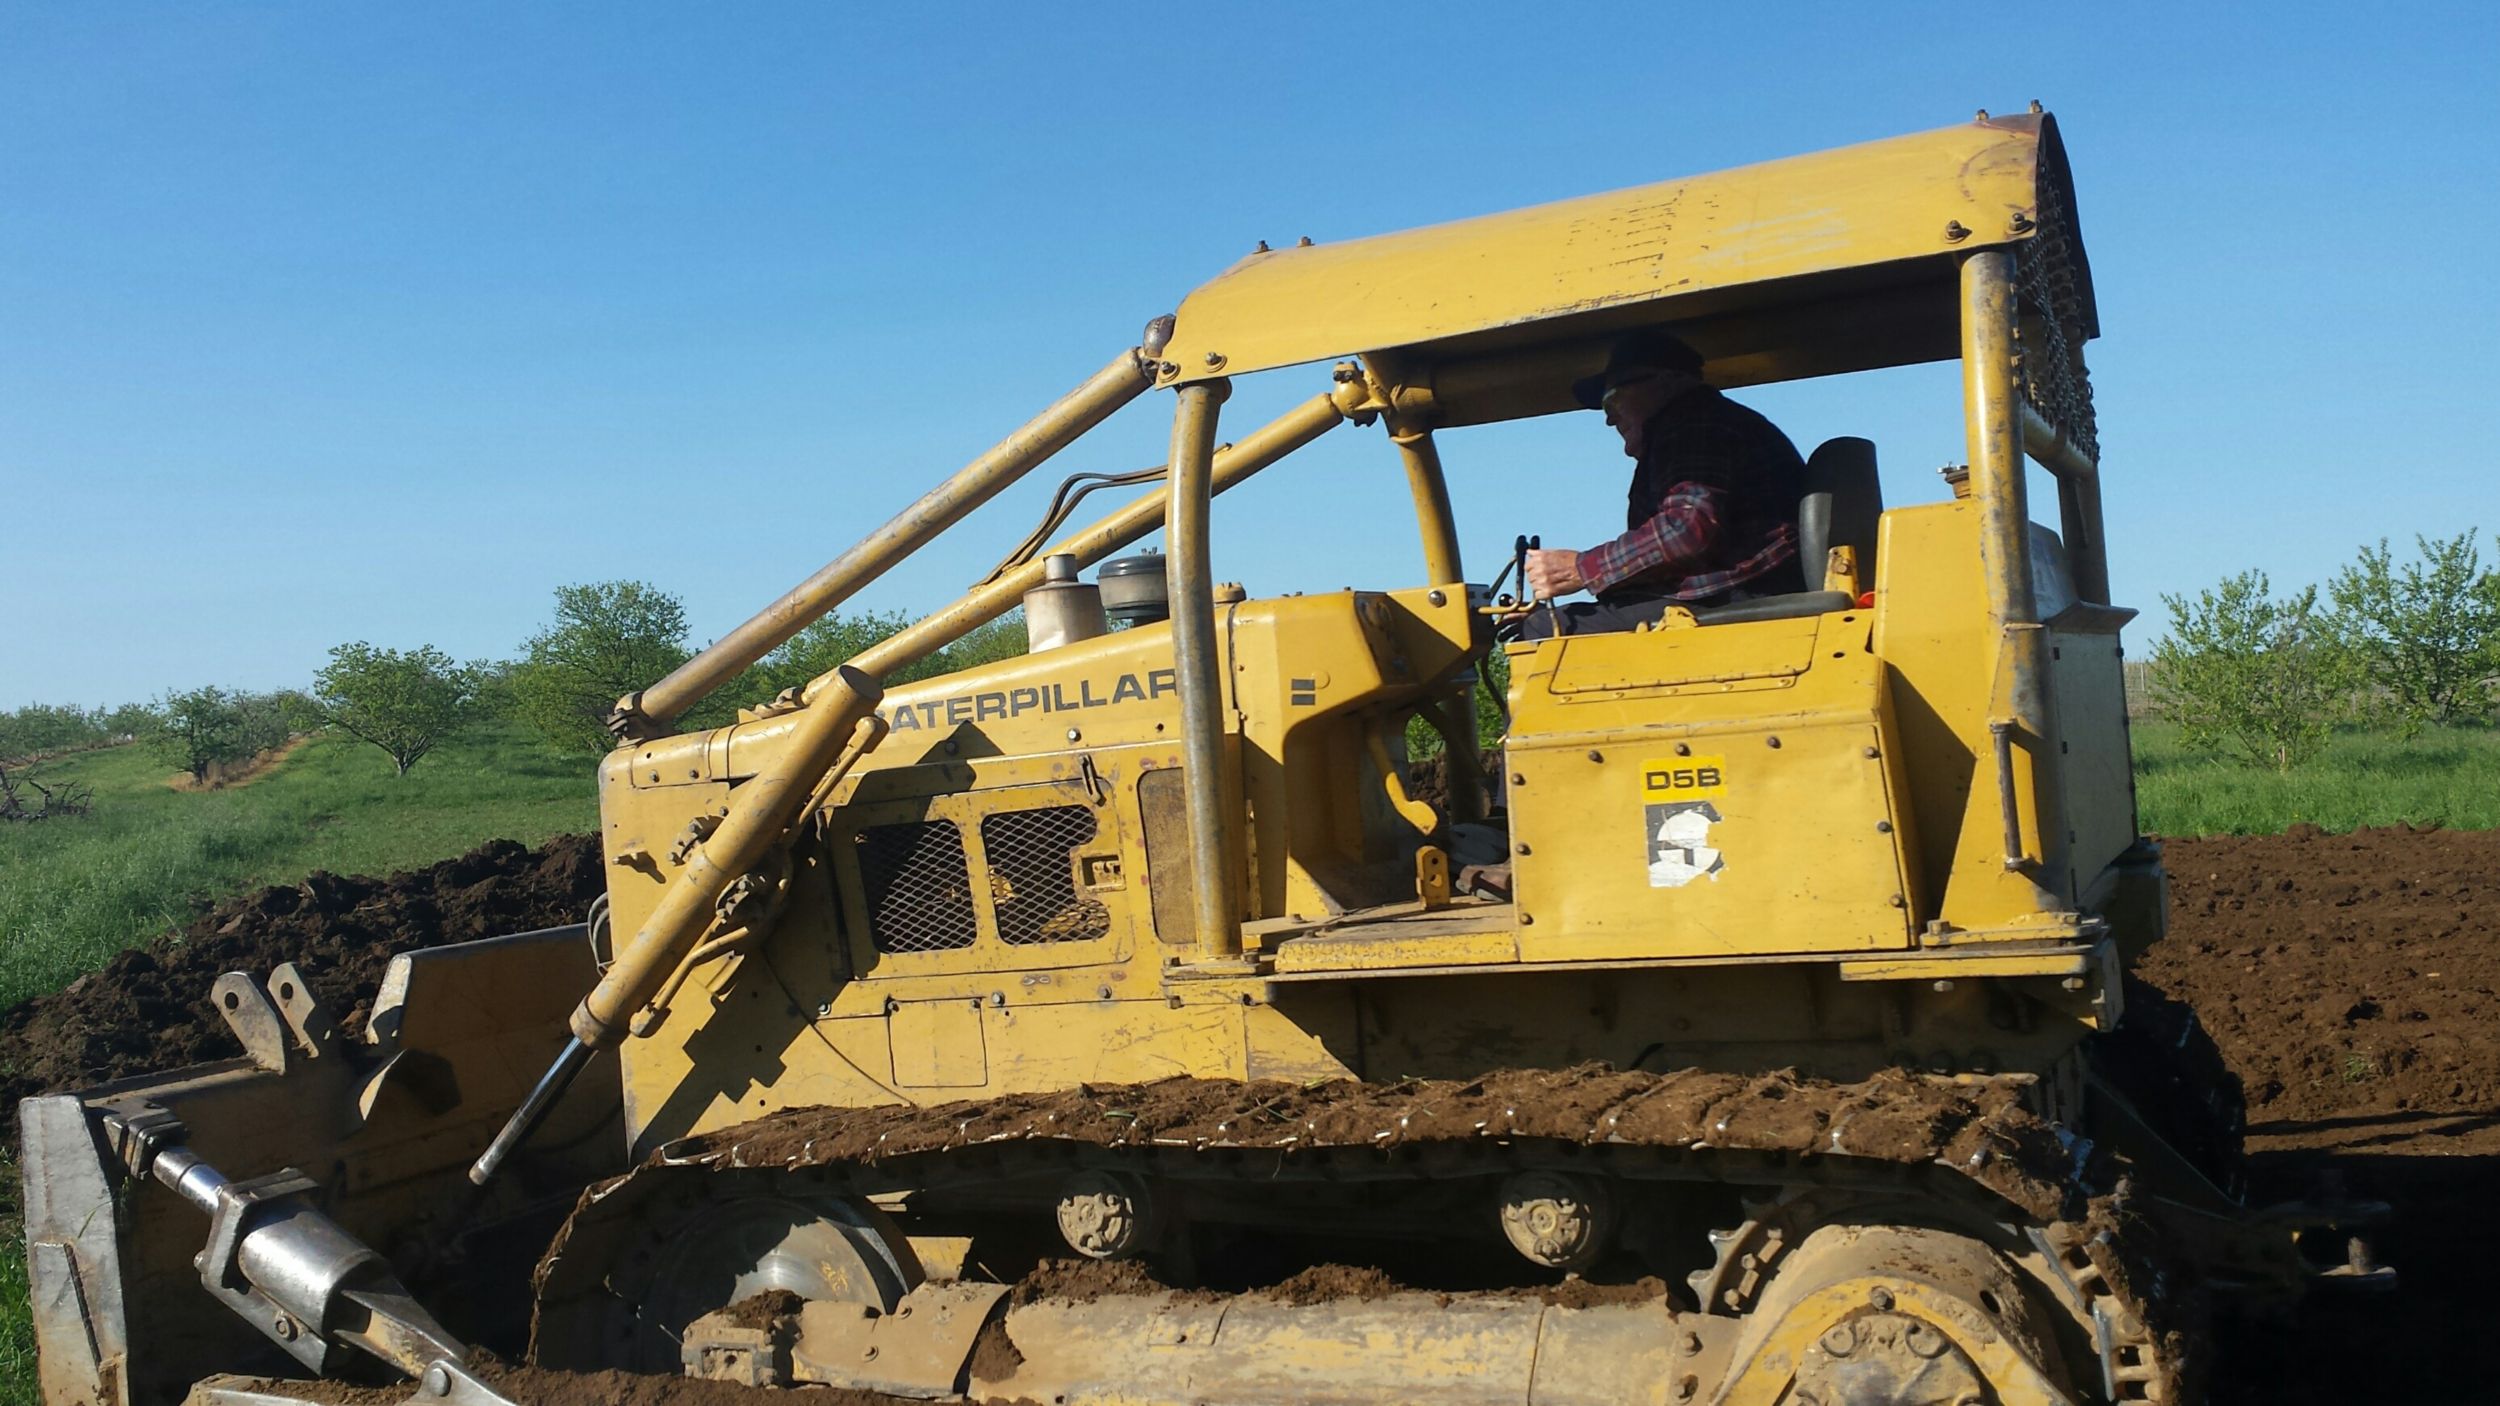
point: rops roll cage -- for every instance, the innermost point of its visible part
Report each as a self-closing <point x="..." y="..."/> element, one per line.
<point x="2000" y="428"/>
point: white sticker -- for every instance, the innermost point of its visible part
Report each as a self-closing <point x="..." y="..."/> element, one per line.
<point x="1679" y="844"/>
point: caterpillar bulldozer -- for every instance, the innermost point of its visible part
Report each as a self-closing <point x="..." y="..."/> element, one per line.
<point x="1751" y="1027"/>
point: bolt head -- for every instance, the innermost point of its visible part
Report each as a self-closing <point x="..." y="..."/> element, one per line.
<point x="438" y="1380"/>
<point x="1881" y="1298"/>
<point x="1437" y="597"/>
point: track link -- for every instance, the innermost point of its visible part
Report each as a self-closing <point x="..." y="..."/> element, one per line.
<point x="1960" y="1150"/>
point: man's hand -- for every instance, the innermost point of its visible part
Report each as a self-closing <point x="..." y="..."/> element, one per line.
<point x="1552" y="574"/>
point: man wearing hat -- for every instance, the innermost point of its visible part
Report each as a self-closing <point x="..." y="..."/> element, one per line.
<point x="1713" y="508"/>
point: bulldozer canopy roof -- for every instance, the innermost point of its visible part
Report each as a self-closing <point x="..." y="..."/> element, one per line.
<point x="1841" y="260"/>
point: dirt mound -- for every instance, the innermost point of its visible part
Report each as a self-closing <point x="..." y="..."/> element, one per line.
<point x="1084" y="1281"/>
<point x="148" y="1008"/>
<point x="1326" y="1283"/>
<point x="2342" y="974"/>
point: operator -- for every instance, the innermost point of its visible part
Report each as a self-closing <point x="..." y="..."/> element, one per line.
<point x="1713" y="511"/>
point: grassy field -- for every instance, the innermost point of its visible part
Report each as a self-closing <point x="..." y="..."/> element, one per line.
<point x="2447" y="776"/>
<point x="74" y="892"/>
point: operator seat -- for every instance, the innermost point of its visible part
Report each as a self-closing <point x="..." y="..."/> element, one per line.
<point x="1839" y="508"/>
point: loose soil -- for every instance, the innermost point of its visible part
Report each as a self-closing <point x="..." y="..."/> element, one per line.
<point x="2343" y="975"/>
<point x="148" y="1008"/>
<point x="2351" y="982"/>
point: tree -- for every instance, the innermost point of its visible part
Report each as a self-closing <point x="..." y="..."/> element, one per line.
<point x="39" y="728"/>
<point x="129" y="722"/>
<point x="608" y="639"/>
<point x="1002" y="638"/>
<point x="402" y="703"/>
<point x="837" y="638"/>
<point x="2245" y="671"/>
<point x="826" y="641"/>
<point x="201" y="728"/>
<point x="2425" y="637"/>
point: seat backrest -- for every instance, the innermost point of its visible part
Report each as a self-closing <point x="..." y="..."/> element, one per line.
<point x="1843" y="499"/>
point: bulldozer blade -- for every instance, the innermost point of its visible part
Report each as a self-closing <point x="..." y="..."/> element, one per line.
<point x="73" y="1224"/>
<point x="1136" y="1349"/>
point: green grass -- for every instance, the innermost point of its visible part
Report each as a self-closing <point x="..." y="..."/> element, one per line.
<point x="2447" y="776"/>
<point x="17" y="1323"/>
<point x="74" y="891"/>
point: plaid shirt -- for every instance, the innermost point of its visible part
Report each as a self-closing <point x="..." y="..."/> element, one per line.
<point x="1713" y="505"/>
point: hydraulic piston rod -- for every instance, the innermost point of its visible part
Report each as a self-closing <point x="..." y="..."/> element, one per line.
<point x="761" y="813"/>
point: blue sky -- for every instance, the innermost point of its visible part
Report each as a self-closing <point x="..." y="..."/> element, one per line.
<point x="325" y="322"/>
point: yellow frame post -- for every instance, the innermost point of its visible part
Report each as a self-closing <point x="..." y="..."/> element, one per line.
<point x="1993" y="423"/>
<point x="1191" y="494"/>
<point x="1438" y="527"/>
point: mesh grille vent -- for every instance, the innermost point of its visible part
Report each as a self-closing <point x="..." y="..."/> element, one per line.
<point x="2053" y="375"/>
<point x="1032" y="856"/>
<point x="919" y="890"/>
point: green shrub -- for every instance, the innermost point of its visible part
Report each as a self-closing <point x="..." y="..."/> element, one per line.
<point x="2244" y="672"/>
<point x="2425" y="637"/>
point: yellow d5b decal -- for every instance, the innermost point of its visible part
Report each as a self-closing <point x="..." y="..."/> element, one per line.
<point x="1683" y="779"/>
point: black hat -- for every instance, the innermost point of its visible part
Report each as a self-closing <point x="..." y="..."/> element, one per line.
<point x="1638" y="352"/>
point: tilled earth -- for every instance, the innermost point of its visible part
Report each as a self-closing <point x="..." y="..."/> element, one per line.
<point x="2349" y="981"/>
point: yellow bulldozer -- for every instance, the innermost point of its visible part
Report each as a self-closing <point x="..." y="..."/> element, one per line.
<point x="1124" y="1023"/>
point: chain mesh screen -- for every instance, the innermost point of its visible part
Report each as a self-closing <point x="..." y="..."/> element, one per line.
<point x="919" y="890"/>
<point x="1032" y="858"/>
<point x="2053" y="375"/>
